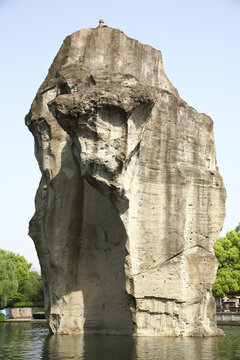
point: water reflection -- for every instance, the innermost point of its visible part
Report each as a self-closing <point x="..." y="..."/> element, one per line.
<point x="21" y="340"/>
<point x="92" y="347"/>
<point x="176" y="348"/>
<point x="61" y="347"/>
<point x="229" y="346"/>
<point x="26" y="341"/>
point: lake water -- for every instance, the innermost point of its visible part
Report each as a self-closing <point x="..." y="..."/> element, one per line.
<point x="23" y="341"/>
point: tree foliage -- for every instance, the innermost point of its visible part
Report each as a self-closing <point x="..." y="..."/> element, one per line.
<point x="237" y="228"/>
<point x="22" y="267"/>
<point x="8" y="280"/>
<point x="25" y="286"/>
<point x="30" y="292"/>
<point x="227" y="251"/>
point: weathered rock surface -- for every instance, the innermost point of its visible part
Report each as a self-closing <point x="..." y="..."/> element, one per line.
<point x="130" y="202"/>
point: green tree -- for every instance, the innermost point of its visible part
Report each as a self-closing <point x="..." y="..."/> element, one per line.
<point x="30" y="286"/>
<point x="227" y="251"/>
<point x="237" y="228"/>
<point x="22" y="267"/>
<point x="33" y="288"/>
<point x="30" y="293"/>
<point x="8" y="280"/>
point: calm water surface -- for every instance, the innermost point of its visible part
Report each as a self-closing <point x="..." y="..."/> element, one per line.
<point x="23" y="341"/>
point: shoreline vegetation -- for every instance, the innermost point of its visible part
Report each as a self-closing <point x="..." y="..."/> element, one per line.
<point x="20" y="286"/>
<point x="227" y="251"/>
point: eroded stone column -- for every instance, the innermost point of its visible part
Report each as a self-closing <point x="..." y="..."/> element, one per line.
<point x="131" y="201"/>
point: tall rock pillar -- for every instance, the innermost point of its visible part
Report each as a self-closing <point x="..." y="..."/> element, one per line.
<point x="131" y="201"/>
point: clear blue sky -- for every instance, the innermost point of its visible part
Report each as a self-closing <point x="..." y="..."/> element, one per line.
<point x="199" y="41"/>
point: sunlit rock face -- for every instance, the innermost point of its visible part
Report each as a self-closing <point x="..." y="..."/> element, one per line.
<point x="130" y="201"/>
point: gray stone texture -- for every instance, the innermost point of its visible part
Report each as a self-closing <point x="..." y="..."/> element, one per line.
<point x="130" y="201"/>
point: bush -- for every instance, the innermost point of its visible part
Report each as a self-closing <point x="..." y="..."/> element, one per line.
<point x="2" y="317"/>
<point x="39" y="315"/>
<point x="16" y="298"/>
<point x="21" y="304"/>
